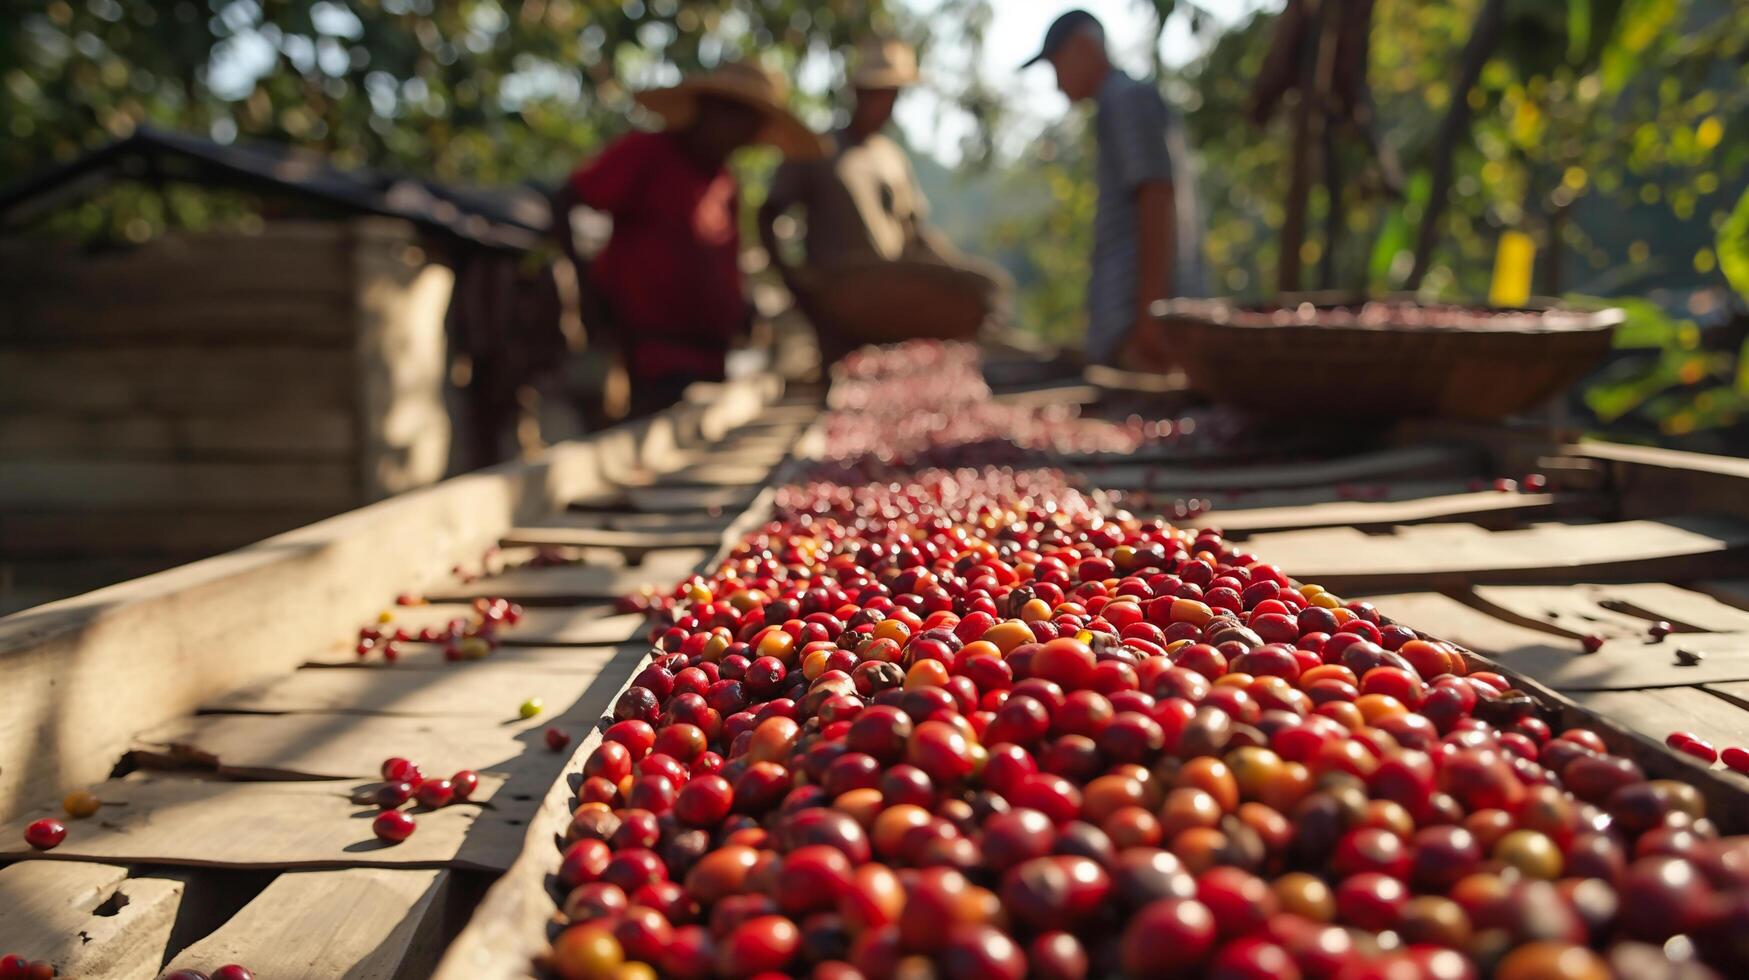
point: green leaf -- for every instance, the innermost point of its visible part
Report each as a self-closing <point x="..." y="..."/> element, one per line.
<point x="1733" y="246"/>
<point x="1578" y="29"/>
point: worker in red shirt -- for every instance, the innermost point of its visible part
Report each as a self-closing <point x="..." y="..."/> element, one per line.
<point x="668" y="281"/>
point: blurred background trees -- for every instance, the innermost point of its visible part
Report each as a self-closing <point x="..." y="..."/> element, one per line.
<point x="1614" y="132"/>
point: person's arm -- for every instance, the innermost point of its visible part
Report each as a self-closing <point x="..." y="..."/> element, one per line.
<point x="1154" y="212"/>
<point x="784" y="194"/>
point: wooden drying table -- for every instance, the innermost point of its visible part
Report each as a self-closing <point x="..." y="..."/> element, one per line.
<point x="238" y="839"/>
<point x="238" y="728"/>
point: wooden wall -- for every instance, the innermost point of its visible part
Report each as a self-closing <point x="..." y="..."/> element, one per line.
<point x="200" y="392"/>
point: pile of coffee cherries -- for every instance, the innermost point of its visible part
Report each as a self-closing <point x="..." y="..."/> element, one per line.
<point x="970" y="724"/>
<point x="927" y="404"/>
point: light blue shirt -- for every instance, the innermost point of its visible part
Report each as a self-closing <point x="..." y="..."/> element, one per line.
<point x="1140" y="140"/>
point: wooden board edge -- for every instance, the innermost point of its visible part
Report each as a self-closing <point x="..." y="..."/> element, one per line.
<point x="508" y="931"/>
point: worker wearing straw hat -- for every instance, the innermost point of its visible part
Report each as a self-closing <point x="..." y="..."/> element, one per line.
<point x="667" y="284"/>
<point x="872" y="268"/>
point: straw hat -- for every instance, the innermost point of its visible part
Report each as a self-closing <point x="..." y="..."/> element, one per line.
<point x="748" y="84"/>
<point x="884" y="64"/>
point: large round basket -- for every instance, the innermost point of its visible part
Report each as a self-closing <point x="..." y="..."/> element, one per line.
<point x="1339" y="357"/>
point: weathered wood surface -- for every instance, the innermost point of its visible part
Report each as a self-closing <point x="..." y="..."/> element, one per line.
<point x="1415" y="463"/>
<point x="360" y="923"/>
<point x="276" y="825"/>
<point x="1559" y="661"/>
<point x="1452" y="555"/>
<point x="1620" y="610"/>
<point x="1400" y="503"/>
<point x="324" y="745"/>
<point x="569" y="584"/>
<point x="474" y="690"/>
<point x="630" y="542"/>
<point x="83" y="675"/>
<point x="1657" y="712"/>
<point x="510" y="927"/>
<point x="88" y="920"/>
<point x="670" y="500"/>
<point x="633" y="521"/>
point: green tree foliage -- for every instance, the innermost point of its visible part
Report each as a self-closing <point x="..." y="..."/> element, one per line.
<point x="491" y="92"/>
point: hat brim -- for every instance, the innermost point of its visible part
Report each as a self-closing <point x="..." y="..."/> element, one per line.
<point x="678" y="103"/>
<point x="1035" y="59"/>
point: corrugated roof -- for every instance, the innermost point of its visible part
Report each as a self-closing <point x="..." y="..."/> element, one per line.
<point x="509" y="218"/>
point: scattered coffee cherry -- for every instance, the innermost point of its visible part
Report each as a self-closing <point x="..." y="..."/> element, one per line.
<point x="557" y="738"/>
<point x="435" y="793"/>
<point x="14" y="967"/>
<point x="393" y="826"/>
<point x="530" y="708"/>
<point x="45" y="834"/>
<point x="386" y="616"/>
<point x="408" y="599"/>
<point x="1659" y="630"/>
<point x="392" y="795"/>
<point x="396" y="768"/>
<point x="1534" y="483"/>
<point x="1688" y="658"/>
<point x="464" y="783"/>
<point x="232" y="971"/>
<point x="364" y="648"/>
<point x="80" y="804"/>
<point x="1700" y="749"/>
<point x="1591" y="642"/>
<point x="1505" y="485"/>
<point x="391" y="651"/>
<point x="1736" y="759"/>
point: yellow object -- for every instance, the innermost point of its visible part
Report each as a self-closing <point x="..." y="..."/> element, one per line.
<point x="1514" y="259"/>
<point x="385" y="616"/>
<point x="80" y="804"/>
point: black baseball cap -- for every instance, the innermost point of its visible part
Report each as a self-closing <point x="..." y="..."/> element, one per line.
<point x="1060" y="31"/>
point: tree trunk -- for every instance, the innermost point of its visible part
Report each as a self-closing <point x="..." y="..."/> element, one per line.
<point x="1454" y="127"/>
<point x="1299" y="190"/>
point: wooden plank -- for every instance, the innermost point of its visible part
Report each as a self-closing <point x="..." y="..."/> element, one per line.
<point x="630" y="542"/>
<point x="173" y="532"/>
<point x="281" y="825"/>
<point x="671" y="500"/>
<point x="84" y="674"/>
<point x="1401" y="504"/>
<point x="313" y="433"/>
<point x="594" y="625"/>
<point x="360" y="923"/>
<point x="633" y="521"/>
<point x="109" y="484"/>
<point x="1646" y="480"/>
<point x="468" y="690"/>
<point x="1732" y="592"/>
<point x="574" y="583"/>
<point x="1559" y="662"/>
<point x="728" y="471"/>
<point x="1390" y="464"/>
<point x="282" y="317"/>
<point x="1657" y="712"/>
<point x="1626" y="610"/>
<point x="583" y="658"/>
<point x="203" y="380"/>
<point x="87" y="920"/>
<point x="324" y="745"/>
<point x="1448" y="556"/>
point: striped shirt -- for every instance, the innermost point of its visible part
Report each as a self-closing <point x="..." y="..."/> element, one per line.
<point x="1140" y="140"/>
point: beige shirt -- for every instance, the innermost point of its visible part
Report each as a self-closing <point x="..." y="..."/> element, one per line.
<point x="860" y="203"/>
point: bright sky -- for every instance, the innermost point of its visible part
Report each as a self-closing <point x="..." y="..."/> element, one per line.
<point x="1017" y="28"/>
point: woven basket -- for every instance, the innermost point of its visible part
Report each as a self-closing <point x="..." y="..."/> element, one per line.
<point x="1298" y="357"/>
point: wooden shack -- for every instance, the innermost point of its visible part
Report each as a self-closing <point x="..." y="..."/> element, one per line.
<point x="165" y="401"/>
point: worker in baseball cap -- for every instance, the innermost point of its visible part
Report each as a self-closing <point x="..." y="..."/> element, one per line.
<point x="1147" y="227"/>
<point x="872" y="268"/>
